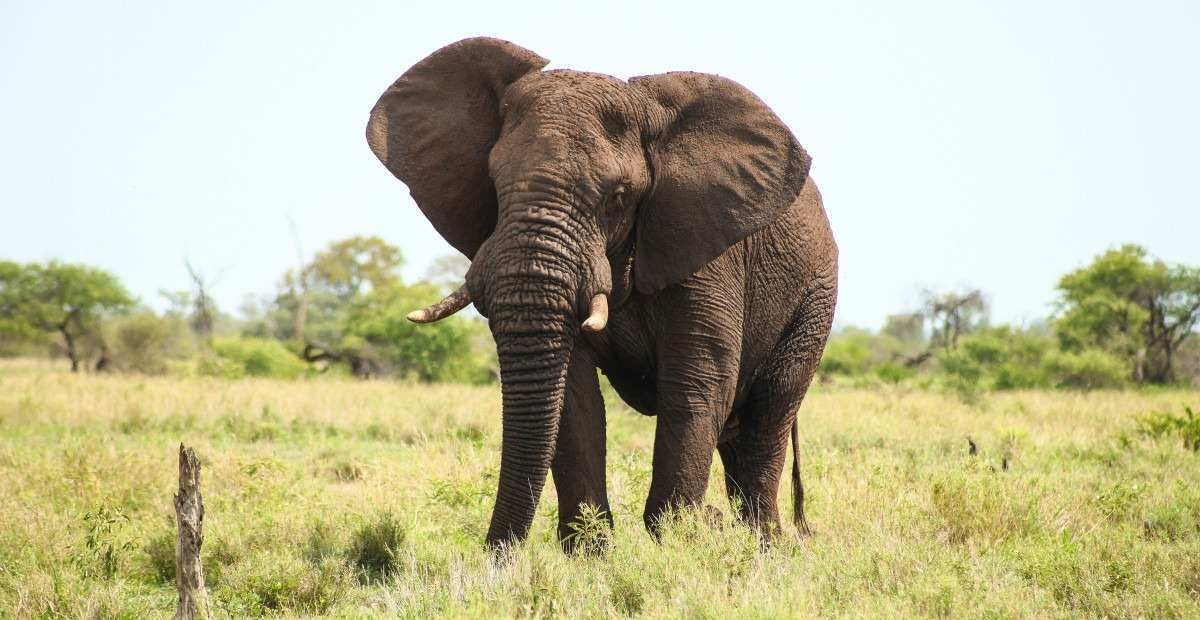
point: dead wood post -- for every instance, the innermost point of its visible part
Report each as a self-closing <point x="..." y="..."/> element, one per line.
<point x="189" y="518"/>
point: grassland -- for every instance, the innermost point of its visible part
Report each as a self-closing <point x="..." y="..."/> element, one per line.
<point x="371" y="498"/>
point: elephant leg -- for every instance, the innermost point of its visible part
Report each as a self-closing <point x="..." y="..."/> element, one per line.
<point x="761" y="448"/>
<point x="579" y="460"/>
<point x="683" y="449"/>
<point x="775" y="398"/>
<point x="698" y="360"/>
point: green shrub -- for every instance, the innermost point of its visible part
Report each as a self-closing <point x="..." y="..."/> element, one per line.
<point x="160" y="557"/>
<point x="321" y="544"/>
<point x="892" y="372"/>
<point x="454" y="350"/>
<point x="105" y="543"/>
<point x="375" y="547"/>
<point x="1000" y="358"/>
<point x="277" y="582"/>
<point x="1161" y="424"/>
<point x="210" y="365"/>
<point x="251" y="357"/>
<point x="847" y="356"/>
<point x="1089" y="369"/>
<point x="144" y="342"/>
<point x="1177" y="519"/>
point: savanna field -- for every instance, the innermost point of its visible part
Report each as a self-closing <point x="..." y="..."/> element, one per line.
<point x="354" y="498"/>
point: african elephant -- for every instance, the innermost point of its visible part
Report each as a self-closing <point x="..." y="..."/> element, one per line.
<point x="663" y="230"/>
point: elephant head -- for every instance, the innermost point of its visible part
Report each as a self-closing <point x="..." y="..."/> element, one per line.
<point x="546" y="180"/>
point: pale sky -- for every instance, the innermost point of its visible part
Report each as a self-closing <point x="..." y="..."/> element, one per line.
<point x="991" y="144"/>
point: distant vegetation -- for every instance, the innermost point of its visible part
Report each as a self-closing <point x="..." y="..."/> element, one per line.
<point x="1125" y="319"/>
<point x="342" y="312"/>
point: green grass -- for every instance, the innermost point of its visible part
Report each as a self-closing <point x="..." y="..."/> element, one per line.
<point x="371" y="498"/>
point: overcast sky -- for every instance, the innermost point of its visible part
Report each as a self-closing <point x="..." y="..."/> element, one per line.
<point x="991" y="144"/>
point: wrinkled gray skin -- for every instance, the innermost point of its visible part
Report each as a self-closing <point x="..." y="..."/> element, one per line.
<point x="686" y="203"/>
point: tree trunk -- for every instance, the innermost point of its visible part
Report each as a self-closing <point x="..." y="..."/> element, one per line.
<point x="189" y="518"/>
<point x="72" y="354"/>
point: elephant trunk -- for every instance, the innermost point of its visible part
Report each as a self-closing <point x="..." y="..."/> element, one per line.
<point x="531" y="318"/>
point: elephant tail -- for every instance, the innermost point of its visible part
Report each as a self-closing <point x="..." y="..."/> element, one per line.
<point x="797" y="486"/>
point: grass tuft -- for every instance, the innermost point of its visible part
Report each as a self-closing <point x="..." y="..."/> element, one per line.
<point x="375" y="547"/>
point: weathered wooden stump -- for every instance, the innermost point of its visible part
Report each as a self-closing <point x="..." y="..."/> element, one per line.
<point x="189" y="519"/>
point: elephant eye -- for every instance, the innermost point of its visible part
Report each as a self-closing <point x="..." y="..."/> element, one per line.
<point x="618" y="194"/>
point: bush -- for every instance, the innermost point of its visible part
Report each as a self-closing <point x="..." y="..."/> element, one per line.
<point x="1089" y="369"/>
<point x="144" y="342"/>
<point x="269" y="582"/>
<point x="375" y="547"/>
<point x="846" y="355"/>
<point x="455" y="349"/>
<point x="892" y="372"/>
<point x="1164" y="424"/>
<point x="858" y="353"/>
<point x="251" y="357"/>
<point x="1000" y="358"/>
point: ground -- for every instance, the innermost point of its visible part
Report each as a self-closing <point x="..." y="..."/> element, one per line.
<point x="354" y="498"/>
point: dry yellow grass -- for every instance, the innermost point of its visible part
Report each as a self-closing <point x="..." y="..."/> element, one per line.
<point x="310" y="484"/>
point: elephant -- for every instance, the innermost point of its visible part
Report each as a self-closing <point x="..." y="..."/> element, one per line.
<point x="663" y="230"/>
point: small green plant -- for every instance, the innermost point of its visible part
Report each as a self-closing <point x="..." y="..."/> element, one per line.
<point x="981" y="507"/>
<point x="460" y="493"/>
<point x="1177" y="518"/>
<point x="1160" y="424"/>
<point x="104" y="542"/>
<point x="894" y="373"/>
<point x="375" y="547"/>
<point x="590" y="532"/>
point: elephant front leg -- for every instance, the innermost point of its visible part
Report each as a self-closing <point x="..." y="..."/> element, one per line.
<point x="579" y="461"/>
<point x="683" y="450"/>
<point x="697" y="379"/>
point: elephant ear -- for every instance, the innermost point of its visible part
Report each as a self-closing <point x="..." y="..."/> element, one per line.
<point x="435" y="126"/>
<point x="724" y="167"/>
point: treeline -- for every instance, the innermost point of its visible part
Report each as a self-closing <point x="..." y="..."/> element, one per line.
<point x="1125" y="319"/>
<point x="341" y="312"/>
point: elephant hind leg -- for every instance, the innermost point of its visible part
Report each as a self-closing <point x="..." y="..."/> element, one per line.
<point x="770" y="418"/>
<point x="760" y="452"/>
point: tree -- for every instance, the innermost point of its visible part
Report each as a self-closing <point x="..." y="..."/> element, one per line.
<point x="311" y="304"/>
<point x="347" y="265"/>
<point x="953" y="314"/>
<point x="449" y="271"/>
<point x="204" y="309"/>
<point x="908" y="327"/>
<point x="58" y="298"/>
<point x="448" y="350"/>
<point x="1132" y="305"/>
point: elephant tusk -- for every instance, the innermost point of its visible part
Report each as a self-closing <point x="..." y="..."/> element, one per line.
<point x="449" y="305"/>
<point x="598" y="316"/>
